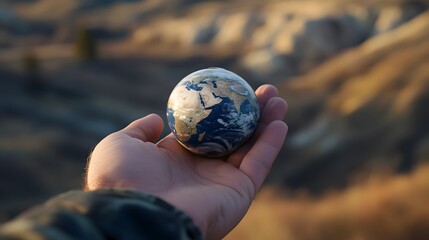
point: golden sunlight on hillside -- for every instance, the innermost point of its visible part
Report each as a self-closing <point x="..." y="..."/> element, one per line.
<point x="392" y="207"/>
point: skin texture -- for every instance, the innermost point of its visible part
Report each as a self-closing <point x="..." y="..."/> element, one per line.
<point x="215" y="193"/>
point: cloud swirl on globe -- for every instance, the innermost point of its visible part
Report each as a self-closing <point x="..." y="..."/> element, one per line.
<point x="212" y="112"/>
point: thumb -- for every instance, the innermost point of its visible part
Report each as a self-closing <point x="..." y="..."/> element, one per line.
<point x="147" y="129"/>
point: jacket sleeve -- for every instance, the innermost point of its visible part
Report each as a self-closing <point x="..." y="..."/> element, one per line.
<point x="102" y="214"/>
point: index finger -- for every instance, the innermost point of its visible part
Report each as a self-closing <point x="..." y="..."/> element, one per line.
<point x="265" y="93"/>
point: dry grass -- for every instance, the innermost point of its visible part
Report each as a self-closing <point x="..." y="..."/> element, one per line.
<point x="395" y="207"/>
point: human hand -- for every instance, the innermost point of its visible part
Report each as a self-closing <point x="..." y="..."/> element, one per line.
<point x="215" y="193"/>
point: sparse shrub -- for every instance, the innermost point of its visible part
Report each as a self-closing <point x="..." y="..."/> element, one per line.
<point x="30" y="63"/>
<point x="85" y="44"/>
<point x="32" y="70"/>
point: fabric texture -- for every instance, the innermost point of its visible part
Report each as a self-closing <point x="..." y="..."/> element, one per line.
<point x="102" y="214"/>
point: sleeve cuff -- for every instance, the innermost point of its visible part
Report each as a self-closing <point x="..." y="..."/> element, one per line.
<point x="104" y="214"/>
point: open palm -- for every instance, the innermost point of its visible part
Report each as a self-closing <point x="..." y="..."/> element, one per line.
<point x="215" y="193"/>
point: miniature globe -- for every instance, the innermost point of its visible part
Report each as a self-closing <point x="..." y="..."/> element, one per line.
<point x="212" y="112"/>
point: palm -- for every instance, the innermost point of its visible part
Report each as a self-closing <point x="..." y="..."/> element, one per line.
<point x="217" y="189"/>
<point x="211" y="182"/>
<point x="169" y="171"/>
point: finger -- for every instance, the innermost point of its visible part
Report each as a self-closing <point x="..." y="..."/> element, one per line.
<point x="146" y="129"/>
<point x="265" y="93"/>
<point x="258" y="161"/>
<point x="275" y="109"/>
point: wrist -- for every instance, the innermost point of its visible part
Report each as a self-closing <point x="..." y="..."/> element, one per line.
<point x="204" y="213"/>
<point x="196" y="214"/>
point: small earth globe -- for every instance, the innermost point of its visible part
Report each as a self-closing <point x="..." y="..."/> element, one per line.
<point x="212" y="112"/>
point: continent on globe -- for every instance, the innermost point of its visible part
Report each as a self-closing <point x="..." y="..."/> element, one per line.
<point x="212" y="112"/>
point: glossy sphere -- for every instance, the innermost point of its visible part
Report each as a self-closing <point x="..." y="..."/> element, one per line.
<point x="212" y="112"/>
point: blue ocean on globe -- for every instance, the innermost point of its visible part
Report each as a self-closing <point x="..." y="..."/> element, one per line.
<point x="212" y="112"/>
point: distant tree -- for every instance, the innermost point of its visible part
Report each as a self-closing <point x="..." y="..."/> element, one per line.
<point x="30" y="62"/>
<point x="85" y="44"/>
<point x="32" y="71"/>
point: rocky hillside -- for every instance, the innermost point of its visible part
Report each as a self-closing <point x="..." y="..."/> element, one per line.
<point x="363" y="109"/>
<point x="270" y="39"/>
<point x="355" y="76"/>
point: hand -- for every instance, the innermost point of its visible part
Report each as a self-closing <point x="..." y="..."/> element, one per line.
<point x="215" y="193"/>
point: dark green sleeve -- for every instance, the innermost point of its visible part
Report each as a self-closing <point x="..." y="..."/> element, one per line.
<point x="102" y="214"/>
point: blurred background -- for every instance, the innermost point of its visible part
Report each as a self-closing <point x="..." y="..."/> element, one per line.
<point x="355" y="75"/>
